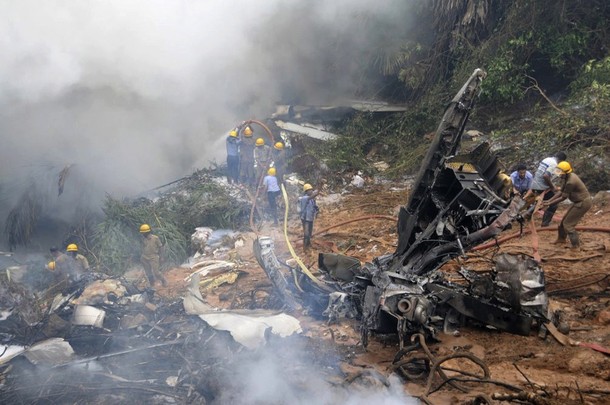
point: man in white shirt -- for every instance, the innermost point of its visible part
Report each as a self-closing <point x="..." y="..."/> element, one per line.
<point x="543" y="181"/>
<point x="273" y="190"/>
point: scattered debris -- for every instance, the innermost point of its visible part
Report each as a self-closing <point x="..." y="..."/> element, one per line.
<point x="455" y="204"/>
<point x="248" y="328"/>
<point x="357" y="180"/>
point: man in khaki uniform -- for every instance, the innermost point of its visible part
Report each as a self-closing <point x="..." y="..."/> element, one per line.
<point x="262" y="158"/>
<point x="152" y="250"/>
<point x="64" y="268"/>
<point x="574" y="189"/>
<point x="81" y="261"/>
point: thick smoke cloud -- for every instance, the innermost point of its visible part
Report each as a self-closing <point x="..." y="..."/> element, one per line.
<point x="137" y="93"/>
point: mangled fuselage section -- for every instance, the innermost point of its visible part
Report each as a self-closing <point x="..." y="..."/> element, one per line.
<point x="458" y="201"/>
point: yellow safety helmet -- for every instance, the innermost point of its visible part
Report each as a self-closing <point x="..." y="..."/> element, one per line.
<point x="248" y="131"/>
<point x="51" y="266"/>
<point x="72" y="247"/>
<point x="233" y="134"/>
<point x="563" y="168"/>
<point x="307" y="186"/>
<point x="144" y="228"/>
<point x="260" y="142"/>
<point x="278" y="146"/>
<point x="271" y="171"/>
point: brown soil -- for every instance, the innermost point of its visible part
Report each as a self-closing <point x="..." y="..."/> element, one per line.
<point x="566" y="374"/>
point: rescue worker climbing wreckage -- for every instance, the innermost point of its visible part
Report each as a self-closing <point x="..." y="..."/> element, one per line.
<point x="152" y="252"/>
<point x="308" y="210"/>
<point x="232" y="144"/>
<point x="574" y="189"/>
<point x="246" y="157"/>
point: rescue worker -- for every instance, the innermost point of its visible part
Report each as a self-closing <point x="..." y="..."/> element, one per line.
<point x="521" y="180"/>
<point x="152" y="251"/>
<point x="232" y="157"/>
<point x="246" y="157"/>
<point x="543" y="181"/>
<point x="573" y="188"/>
<point x="507" y="186"/>
<point x="308" y="210"/>
<point x="270" y="183"/>
<point x="279" y="161"/>
<point x="81" y="261"/>
<point x="262" y="158"/>
<point x="64" y="267"/>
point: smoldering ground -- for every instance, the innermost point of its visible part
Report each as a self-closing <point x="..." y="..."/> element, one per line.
<point x="136" y="93"/>
<point x="204" y="366"/>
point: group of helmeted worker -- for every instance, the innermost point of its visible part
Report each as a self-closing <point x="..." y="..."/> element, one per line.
<point x="249" y="159"/>
<point x="542" y="185"/>
<point x="69" y="265"/>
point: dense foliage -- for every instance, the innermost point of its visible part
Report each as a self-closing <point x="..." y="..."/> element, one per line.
<point x="548" y="72"/>
<point x="195" y="201"/>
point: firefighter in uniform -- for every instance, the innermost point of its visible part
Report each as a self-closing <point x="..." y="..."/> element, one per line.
<point x="262" y="158"/>
<point x="152" y="250"/>
<point x="81" y="261"/>
<point x="574" y="189"/>
<point x="246" y="158"/>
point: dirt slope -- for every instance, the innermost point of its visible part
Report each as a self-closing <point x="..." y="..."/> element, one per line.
<point x="577" y="282"/>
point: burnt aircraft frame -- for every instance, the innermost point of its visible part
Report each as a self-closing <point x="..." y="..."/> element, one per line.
<point x="457" y="201"/>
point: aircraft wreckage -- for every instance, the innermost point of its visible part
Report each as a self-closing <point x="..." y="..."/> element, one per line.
<point x="456" y="203"/>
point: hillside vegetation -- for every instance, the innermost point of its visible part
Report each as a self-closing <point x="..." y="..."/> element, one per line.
<point x="547" y="85"/>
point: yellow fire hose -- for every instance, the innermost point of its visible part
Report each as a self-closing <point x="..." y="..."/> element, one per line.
<point x="291" y="249"/>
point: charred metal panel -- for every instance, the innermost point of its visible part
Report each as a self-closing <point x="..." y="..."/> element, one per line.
<point x="445" y="144"/>
<point x="506" y="319"/>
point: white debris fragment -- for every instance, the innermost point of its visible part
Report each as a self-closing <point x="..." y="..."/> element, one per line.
<point x="248" y="328"/>
<point x="52" y="351"/>
<point x="87" y="315"/>
<point x="10" y="351"/>
<point x="357" y="181"/>
<point x="97" y="292"/>
<point x="203" y="268"/>
<point x="5" y="313"/>
<point x="199" y="239"/>
<point x="381" y="166"/>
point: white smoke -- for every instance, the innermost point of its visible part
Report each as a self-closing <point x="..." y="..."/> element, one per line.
<point x="136" y="93"/>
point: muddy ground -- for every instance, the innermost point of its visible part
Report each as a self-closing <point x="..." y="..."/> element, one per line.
<point x="578" y="283"/>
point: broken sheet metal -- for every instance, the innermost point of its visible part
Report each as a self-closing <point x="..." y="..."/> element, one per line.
<point x="213" y="273"/>
<point x="50" y="352"/>
<point x="457" y="201"/>
<point x="210" y="267"/>
<point x="247" y="327"/>
<point x="101" y="292"/>
<point x="210" y="283"/>
<point x="86" y="315"/>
